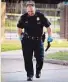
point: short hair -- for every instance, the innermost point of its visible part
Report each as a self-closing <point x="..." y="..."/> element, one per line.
<point x="32" y="3"/>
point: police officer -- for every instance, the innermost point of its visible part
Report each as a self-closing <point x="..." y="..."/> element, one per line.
<point x="32" y="22"/>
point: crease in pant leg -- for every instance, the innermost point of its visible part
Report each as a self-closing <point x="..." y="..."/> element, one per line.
<point x="39" y="54"/>
<point x="28" y="54"/>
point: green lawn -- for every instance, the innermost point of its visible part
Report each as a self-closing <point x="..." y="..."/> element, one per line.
<point x="58" y="55"/>
<point x="10" y="45"/>
<point x="16" y="45"/>
<point x="58" y="43"/>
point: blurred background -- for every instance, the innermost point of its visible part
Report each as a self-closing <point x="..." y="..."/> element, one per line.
<point x="56" y="12"/>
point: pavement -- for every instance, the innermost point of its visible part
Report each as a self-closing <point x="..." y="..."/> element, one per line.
<point x="12" y="68"/>
<point x="18" y="54"/>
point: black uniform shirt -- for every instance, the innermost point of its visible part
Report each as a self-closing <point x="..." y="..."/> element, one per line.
<point x="33" y="25"/>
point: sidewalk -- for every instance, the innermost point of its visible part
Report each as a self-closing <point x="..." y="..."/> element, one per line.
<point x="17" y="54"/>
<point x="12" y="69"/>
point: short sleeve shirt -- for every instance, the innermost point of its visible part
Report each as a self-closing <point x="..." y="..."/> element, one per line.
<point x="33" y="25"/>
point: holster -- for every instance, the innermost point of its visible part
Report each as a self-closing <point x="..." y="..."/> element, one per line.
<point x="43" y="37"/>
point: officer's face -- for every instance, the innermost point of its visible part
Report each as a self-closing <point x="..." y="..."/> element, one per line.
<point x="30" y="10"/>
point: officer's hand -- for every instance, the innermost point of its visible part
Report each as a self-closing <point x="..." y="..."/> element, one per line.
<point x="50" y="39"/>
<point x="21" y="36"/>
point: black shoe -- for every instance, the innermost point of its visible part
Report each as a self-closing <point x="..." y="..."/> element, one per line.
<point x="30" y="78"/>
<point x="38" y="74"/>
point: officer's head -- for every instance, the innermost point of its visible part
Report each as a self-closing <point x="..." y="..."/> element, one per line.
<point x="30" y="8"/>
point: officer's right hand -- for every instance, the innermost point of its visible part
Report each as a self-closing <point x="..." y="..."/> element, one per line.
<point x="21" y="36"/>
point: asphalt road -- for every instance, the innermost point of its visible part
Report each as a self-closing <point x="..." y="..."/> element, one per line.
<point x="12" y="70"/>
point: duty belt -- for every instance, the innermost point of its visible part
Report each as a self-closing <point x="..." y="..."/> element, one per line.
<point x="33" y="38"/>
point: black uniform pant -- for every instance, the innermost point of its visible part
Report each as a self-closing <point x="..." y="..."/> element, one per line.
<point x="29" y="46"/>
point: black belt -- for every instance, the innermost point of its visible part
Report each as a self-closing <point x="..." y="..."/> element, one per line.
<point x="33" y="38"/>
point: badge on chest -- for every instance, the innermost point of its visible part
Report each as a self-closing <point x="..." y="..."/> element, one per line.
<point x="38" y="20"/>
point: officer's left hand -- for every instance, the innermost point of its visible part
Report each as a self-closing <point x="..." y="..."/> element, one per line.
<point x="50" y="39"/>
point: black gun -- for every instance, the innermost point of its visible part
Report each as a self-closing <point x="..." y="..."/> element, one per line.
<point x="47" y="46"/>
<point x="48" y="43"/>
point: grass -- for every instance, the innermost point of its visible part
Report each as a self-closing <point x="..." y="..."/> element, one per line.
<point x="58" y="43"/>
<point x="58" y="55"/>
<point x="8" y="45"/>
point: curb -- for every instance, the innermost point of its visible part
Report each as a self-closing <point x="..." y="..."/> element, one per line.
<point x="54" y="61"/>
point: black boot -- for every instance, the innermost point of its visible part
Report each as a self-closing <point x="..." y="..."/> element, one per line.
<point x="38" y="74"/>
<point x="30" y="78"/>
